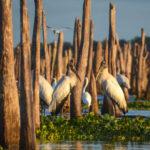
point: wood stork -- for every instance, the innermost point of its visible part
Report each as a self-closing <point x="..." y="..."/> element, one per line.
<point x="86" y="97"/>
<point x="45" y="90"/>
<point x="57" y="31"/>
<point x="63" y="89"/>
<point x="123" y="81"/>
<point x="111" y="88"/>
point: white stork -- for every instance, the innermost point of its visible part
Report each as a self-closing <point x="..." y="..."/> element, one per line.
<point x="86" y="97"/>
<point x="111" y="88"/>
<point x="63" y="89"/>
<point x="45" y="90"/>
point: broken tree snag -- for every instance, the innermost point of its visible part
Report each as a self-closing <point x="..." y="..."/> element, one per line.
<point x="75" y="42"/>
<point x="47" y="63"/>
<point x="18" y="64"/>
<point x="70" y="54"/>
<point x="50" y="58"/>
<point x="134" y="69"/>
<point x="112" y="30"/>
<point x="53" y="60"/>
<point x="59" y="56"/>
<point x="9" y="100"/>
<point x="111" y="57"/>
<point x="93" y="91"/>
<point x="28" y="137"/>
<point x="36" y="60"/>
<point x="75" y="109"/>
<point x="140" y="60"/>
<point x="90" y="57"/>
<point x="106" y="51"/>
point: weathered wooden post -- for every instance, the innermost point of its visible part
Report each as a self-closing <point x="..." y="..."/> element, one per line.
<point x="28" y="137"/>
<point x="9" y="100"/>
<point x="59" y="56"/>
<point x="36" y="60"/>
<point x="47" y="63"/>
<point x="82" y="64"/>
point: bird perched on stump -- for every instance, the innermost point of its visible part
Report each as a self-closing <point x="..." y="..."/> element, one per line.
<point x="111" y="88"/>
<point x="63" y="89"/>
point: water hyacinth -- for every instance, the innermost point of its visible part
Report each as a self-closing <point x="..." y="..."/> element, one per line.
<point x="94" y="128"/>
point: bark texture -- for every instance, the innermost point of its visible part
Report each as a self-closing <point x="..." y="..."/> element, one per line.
<point x="47" y="62"/>
<point x="77" y="91"/>
<point x="36" y="60"/>
<point x="9" y="100"/>
<point x="28" y="137"/>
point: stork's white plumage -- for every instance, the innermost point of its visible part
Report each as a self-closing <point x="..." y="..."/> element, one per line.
<point x="46" y="90"/>
<point x="86" y="97"/>
<point x="111" y="88"/>
<point x="63" y="89"/>
<point x="123" y="81"/>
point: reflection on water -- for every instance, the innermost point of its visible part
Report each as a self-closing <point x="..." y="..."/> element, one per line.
<point x="95" y="145"/>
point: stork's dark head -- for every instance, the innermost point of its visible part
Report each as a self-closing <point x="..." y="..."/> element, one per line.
<point x="71" y="67"/>
<point x="102" y="66"/>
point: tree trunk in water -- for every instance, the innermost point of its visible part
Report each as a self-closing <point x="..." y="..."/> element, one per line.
<point x="53" y="59"/>
<point x="65" y="61"/>
<point x="50" y="53"/>
<point x="90" y="57"/>
<point x="18" y="64"/>
<point x="77" y="91"/>
<point x="112" y="57"/>
<point x="28" y="137"/>
<point x="134" y="68"/>
<point x="36" y="60"/>
<point x="9" y="100"/>
<point x="69" y="54"/>
<point x="97" y="61"/>
<point x="79" y="36"/>
<point x="47" y="62"/>
<point x="106" y="51"/>
<point x="59" y="56"/>
<point x="75" y="44"/>
<point x="139" y="82"/>
<point x="93" y="92"/>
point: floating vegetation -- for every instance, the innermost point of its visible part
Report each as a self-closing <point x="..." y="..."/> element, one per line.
<point x="94" y="128"/>
<point x="139" y="105"/>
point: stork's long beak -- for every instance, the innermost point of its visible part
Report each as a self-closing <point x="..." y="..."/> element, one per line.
<point x="75" y="71"/>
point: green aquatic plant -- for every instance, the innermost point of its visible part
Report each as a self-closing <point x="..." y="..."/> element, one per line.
<point x="140" y="105"/>
<point x="94" y="128"/>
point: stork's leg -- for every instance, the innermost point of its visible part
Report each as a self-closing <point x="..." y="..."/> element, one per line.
<point x="61" y="112"/>
<point x="114" y="108"/>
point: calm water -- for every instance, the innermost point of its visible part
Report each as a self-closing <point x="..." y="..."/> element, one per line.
<point x="95" y="145"/>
